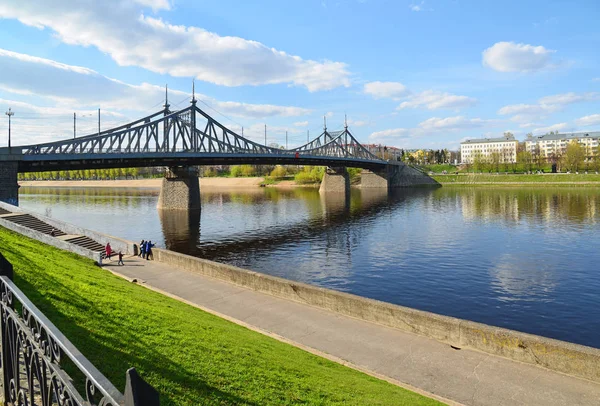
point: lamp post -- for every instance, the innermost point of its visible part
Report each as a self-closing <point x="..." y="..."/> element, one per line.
<point x="9" y="113"/>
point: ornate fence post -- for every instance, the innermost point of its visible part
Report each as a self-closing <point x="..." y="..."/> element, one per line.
<point x="6" y="269"/>
<point x="138" y="392"/>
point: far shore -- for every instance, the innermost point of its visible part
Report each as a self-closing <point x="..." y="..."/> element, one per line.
<point x="155" y="183"/>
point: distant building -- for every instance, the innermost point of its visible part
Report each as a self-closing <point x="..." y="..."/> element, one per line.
<point x="553" y="145"/>
<point x="505" y="147"/>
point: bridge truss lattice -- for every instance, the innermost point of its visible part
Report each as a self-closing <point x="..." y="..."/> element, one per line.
<point x="191" y="130"/>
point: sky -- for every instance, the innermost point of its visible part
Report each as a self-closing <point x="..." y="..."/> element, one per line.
<point x="410" y="74"/>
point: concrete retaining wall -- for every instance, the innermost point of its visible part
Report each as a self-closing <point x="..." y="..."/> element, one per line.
<point x="55" y="242"/>
<point x="572" y="359"/>
<point x="117" y="244"/>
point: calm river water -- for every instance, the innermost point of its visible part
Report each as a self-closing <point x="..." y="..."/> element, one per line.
<point x="522" y="258"/>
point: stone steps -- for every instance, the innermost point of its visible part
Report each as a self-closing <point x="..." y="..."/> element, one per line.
<point x="27" y="220"/>
<point x="34" y="223"/>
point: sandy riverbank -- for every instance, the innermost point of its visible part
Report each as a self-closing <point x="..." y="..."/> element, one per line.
<point x="206" y="183"/>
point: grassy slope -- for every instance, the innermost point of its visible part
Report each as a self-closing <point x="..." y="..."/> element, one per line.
<point x="519" y="178"/>
<point x="189" y="356"/>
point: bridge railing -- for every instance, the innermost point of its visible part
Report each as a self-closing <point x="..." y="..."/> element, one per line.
<point x="34" y="354"/>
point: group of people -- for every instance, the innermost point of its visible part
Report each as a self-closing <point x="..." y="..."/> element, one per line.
<point x="146" y="249"/>
<point x="109" y="252"/>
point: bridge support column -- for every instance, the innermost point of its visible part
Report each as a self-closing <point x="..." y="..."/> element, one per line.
<point x="374" y="180"/>
<point x="336" y="180"/>
<point x="180" y="189"/>
<point x="395" y="176"/>
<point x="9" y="188"/>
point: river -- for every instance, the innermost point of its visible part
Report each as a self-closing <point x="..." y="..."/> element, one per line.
<point x="526" y="258"/>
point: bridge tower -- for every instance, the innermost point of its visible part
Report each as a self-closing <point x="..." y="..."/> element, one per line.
<point x="180" y="188"/>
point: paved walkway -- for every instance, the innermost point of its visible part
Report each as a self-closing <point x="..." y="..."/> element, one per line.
<point x="463" y="376"/>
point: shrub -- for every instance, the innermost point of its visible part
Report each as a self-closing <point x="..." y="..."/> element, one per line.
<point x="279" y="172"/>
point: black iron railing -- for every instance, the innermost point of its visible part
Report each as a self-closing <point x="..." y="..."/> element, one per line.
<point x="34" y="354"/>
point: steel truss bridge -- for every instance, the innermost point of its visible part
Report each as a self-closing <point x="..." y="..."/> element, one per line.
<point x="189" y="137"/>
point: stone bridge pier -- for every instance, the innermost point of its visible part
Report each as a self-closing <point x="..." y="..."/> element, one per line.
<point x="395" y="176"/>
<point x="9" y="188"/>
<point x="180" y="189"/>
<point x="335" y="180"/>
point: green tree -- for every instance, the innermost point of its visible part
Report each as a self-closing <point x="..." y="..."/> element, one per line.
<point x="574" y="156"/>
<point x="525" y="159"/>
<point x="494" y="161"/>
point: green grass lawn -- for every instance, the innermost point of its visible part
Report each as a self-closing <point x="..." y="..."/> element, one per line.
<point x="191" y="357"/>
<point x="517" y="178"/>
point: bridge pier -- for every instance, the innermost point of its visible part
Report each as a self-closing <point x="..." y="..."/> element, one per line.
<point x="395" y="176"/>
<point x="335" y="180"/>
<point x="180" y="189"/>
<point x="9" y="188"/>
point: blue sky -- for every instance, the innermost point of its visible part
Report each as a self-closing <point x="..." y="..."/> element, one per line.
<point x="407" y="73"/>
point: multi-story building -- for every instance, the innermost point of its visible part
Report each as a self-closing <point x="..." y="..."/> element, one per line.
<point x="505" y="147"/>
<point x="554" y="145"/>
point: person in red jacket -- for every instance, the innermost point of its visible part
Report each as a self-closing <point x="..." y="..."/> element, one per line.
<point x="108" y="250"/>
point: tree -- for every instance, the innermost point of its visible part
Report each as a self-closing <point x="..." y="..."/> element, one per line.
<point x="494" y="161"/>
<point x="479" y="161"/>
<point x="525" y="159"/>
<point x="574" y="156"/>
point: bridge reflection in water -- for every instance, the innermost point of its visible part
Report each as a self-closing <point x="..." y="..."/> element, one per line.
<point x="330" y="218"/>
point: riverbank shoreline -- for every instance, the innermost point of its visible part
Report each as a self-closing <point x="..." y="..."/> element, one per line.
<point x="446" y="347"/>
<point x="154" y="183"/>
<point x="544" y="179"/>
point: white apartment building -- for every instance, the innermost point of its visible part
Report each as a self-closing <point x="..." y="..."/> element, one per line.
<point x="505" y="147"/>
<point x="550" y="145"/>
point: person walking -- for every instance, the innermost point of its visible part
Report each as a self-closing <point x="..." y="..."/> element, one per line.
<point x="120" y="259"/>
<point x="149" y="246"/>
<point x="108" y="250"/>
<point x="142" y="249"/>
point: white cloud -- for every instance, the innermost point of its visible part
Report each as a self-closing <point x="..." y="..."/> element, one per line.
<point x="419" y="7"/>
<point x="512" y="57"/>
<point x="528" y="125"/>
<point x="523" y="113"/>
<point x="393" y="90"/>
<point x="301" y="123"/>
<point x="131" y="38"/>
<point x="434" y="100"/>
<point x="78" y="87"/>
<point x="391" y="133"/>
<point x="525" y="110"/>
<point x="585" y="121"/>
<point x="453" y="123"/>
<point x="428" y="128"/>
<point x="554" y="127"/>
<point x="357" y="123"/>
<point x="568" y="98"/>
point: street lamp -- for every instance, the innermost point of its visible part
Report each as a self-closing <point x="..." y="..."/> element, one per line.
<point x="9" y="113"/>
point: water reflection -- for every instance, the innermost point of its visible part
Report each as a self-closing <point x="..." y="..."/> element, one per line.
<point x="181" y="229"/>
<point x="523" y="278"/>
<point x="521" y="258"/>
<point x="511" y="205"/>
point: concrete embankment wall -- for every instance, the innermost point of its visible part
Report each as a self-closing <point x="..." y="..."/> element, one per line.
<point x="117" y="244"/>
<point x="572" y="359"/>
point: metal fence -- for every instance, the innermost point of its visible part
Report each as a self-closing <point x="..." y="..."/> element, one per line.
<point x="34" y="354"/>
